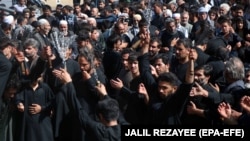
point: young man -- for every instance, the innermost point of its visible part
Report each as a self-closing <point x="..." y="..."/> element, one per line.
<point x="5" y="64"/>
<point x="166" y="94"/>
<point x="107" y="110"/>
<point x="34" y="102"/>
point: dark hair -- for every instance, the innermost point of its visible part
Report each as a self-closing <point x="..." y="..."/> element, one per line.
<point x="112" y="39"/>
<point x="126" y="51"/>
<point x="185" y="41"/>
<point x="83" y="36"/>
<point x="13" y="82"/>
<point x="59" y="5"/>
<point x="67" y="7"/>
<point x="158" y="40"/>
<point x="26" y="10"/>
<point x="47" y="7"/>
<point x="223" y="19"/>
<point x="133" y="56"/>
<point x="5" y="42"/>
<point x="222" y="53"/>
<point x="169" y="77"/>
<point x="88" y="55"/>
<point x="163" y="57"/>
<point x="208" y="69"/>
<point x="108" y="108"/>
<point x="214" y="10"/>
<point x="143" y="23"/>
<point x="6" y="26"/>
<point x="20" y="19"/>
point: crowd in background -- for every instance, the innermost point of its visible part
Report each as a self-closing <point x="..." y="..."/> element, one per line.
<point x="80" y="72"/>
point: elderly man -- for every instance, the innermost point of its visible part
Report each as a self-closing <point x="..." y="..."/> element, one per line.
<point x="134" y="30"/>
<point x="43" y="35"/>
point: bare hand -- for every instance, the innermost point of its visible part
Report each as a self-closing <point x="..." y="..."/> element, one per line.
<point x="153" y="71"/>
<point x="143" y="91"/>
<point x="173" y="42"/>
<point x="35" y="109"/>
<point x="86" y="75"/>
<point x="191" y="108"/>
<point x="20" y="107"/>
<point x="62" y="75"/>
<point x="215" y="86"/>
<point x="245" y="103"/>
<point x="117" y="84"/>
<point x="198" y="91"/>
<point x="101" y="89"/>
<point x="224" y="110"/>
<point x="193" y="55"/>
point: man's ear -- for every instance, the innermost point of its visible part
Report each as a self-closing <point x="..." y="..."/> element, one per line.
<point x="174" y="89"/>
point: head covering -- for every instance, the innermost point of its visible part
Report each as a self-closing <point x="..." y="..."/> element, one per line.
<point x="202" y="10"/>
<point x="8" y="19"/>
<point x="168" y="12"/>
<point x="137" y="17"/>
<point x="176" y="15"/>
<point x="63" y="22"/>
<point x="123" y="15"/>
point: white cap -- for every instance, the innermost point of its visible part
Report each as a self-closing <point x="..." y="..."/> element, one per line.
<point x="168" y="12"/>
<point x="63" y="22"/>
<point x="137" y="17"/>
<point x="202" y="10"/>
<point x="123" y="15"/>
<point x="176" y="15"/>
<point x="8" y="19"/>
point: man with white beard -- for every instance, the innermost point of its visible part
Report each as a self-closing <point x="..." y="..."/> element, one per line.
<point x="185" y="22"/>
<point x="134" y="30"/>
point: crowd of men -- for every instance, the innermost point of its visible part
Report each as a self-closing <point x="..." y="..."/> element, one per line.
<point x="78" y="73"/>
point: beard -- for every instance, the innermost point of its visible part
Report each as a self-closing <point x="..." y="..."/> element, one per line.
<point x="200" y="82"/>
<point x="247" y="85"/>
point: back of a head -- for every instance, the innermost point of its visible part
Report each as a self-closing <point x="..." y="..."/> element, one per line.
<point x="108" y="108"/>
<point x="214" y="44"/>
<point x="234" y="69"/>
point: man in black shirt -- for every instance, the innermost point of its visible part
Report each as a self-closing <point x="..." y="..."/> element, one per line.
<point x="108" y="127"/>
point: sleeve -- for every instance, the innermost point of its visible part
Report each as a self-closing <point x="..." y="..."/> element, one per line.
<point x="49" y="98"/>
<point x="74" y="105"/>
<point x="145" y="71"/>
<point x="5" y="69"/>
<point x="19" y="97"/>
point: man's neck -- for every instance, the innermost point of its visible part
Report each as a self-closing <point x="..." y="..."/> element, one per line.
<point x="111" y="123"/>
<point x="183" y="61"/>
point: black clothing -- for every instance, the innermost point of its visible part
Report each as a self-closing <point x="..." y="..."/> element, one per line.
<point x="5" y="69"/>
<point x="96" y="131"/>
<point x="179" y="69"/>
<point x="36" y="127"/>
<point x="167" y="37"/>
<point x="51" y="19"/>
<point x="207" y="104"/>
<point x="86" y="91"/>
<point x="158" y="21"/>
<point x="170" y="110"/>
<point x="112" y="64"/>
